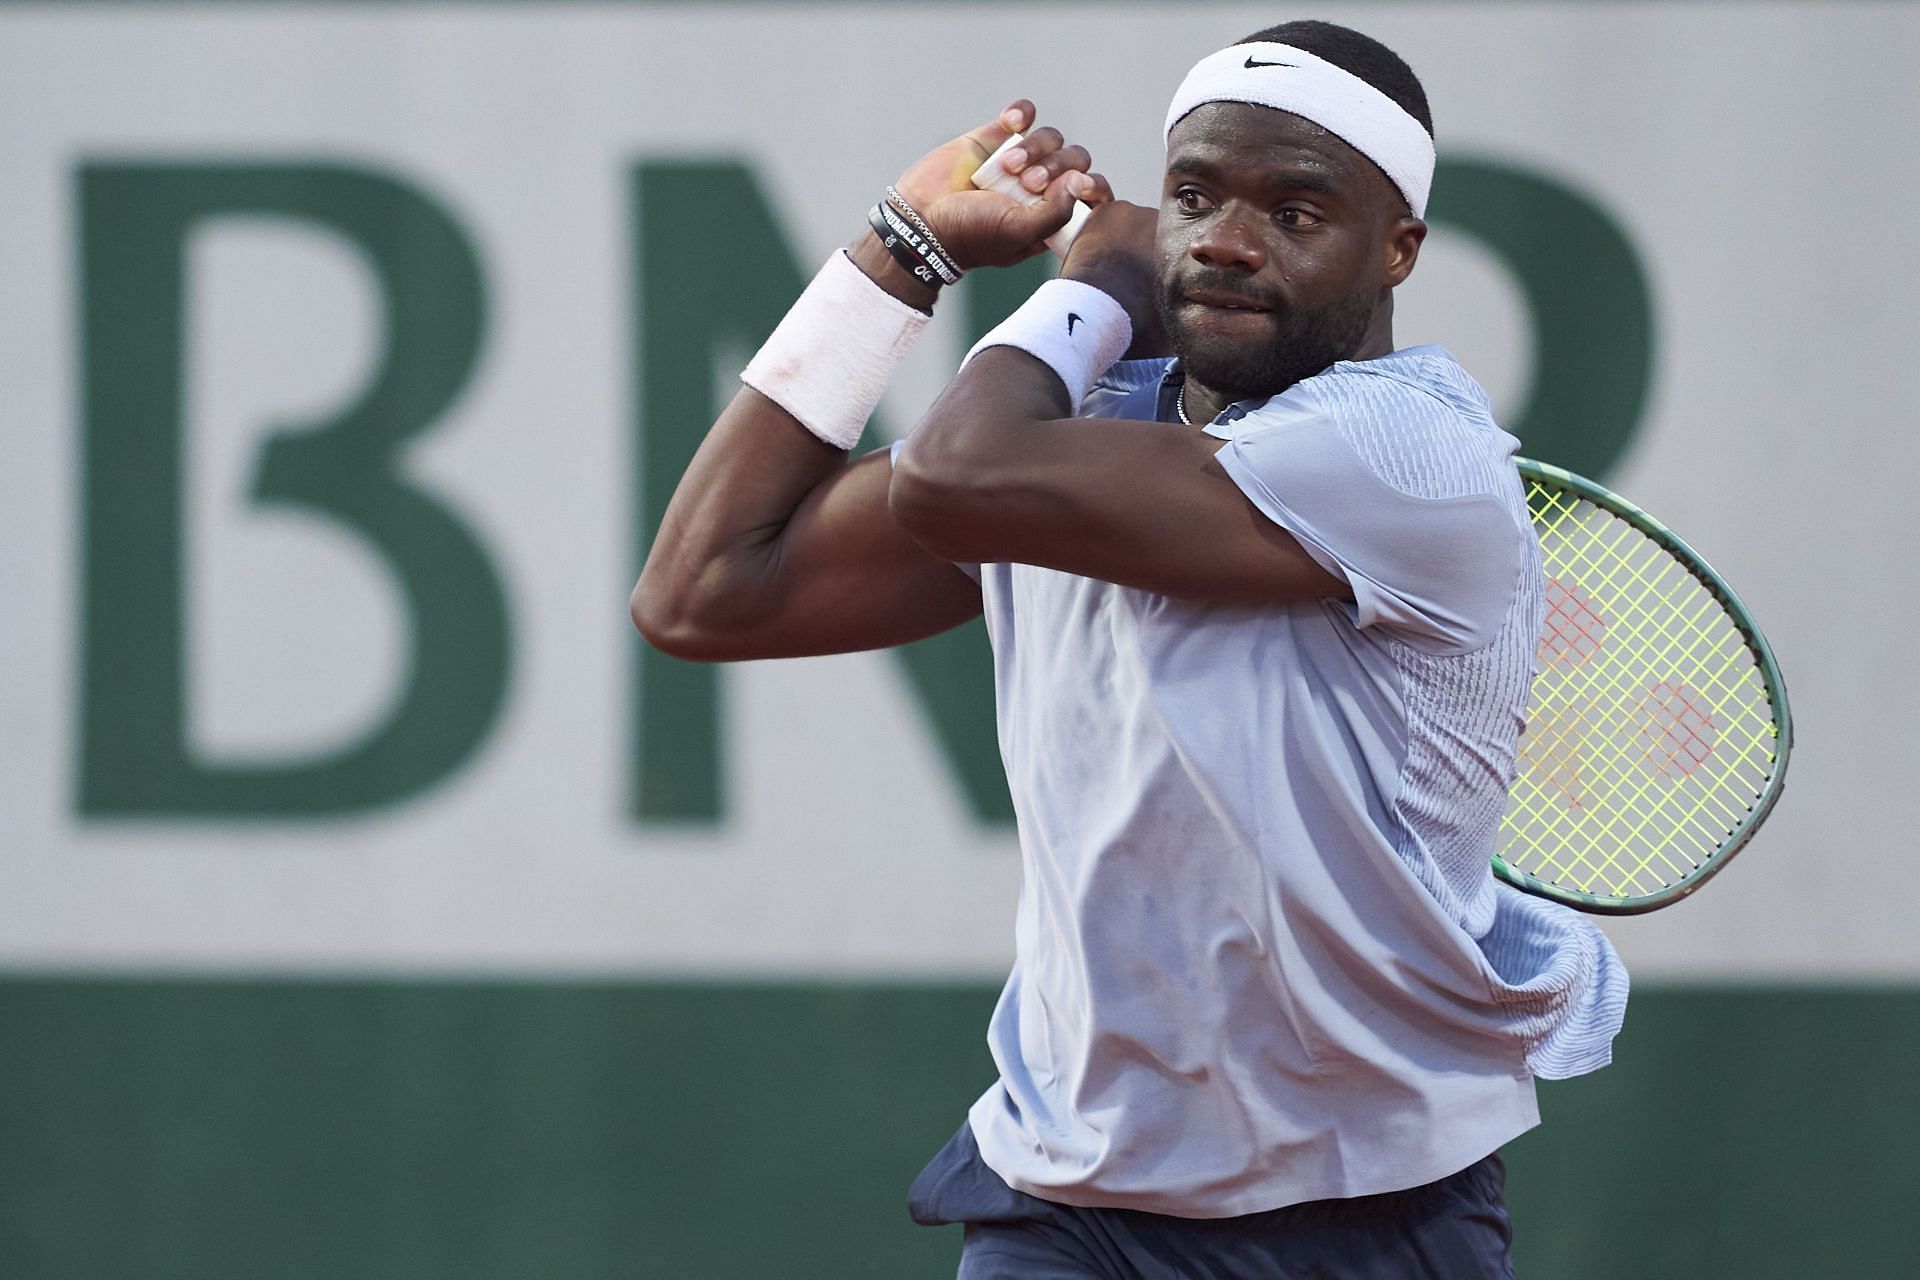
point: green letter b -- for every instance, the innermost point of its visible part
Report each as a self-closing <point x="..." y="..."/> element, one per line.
<point x="134" y="754"/>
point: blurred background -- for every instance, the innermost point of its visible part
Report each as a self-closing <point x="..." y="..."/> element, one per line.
<point x="374" y="904"/>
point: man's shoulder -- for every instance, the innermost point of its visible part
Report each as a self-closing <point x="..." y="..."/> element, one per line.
<point x="1425" y="383"/>
<point x="1414" y="417"/>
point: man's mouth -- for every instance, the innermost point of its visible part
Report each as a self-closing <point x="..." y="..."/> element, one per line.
<point x="1223" y="300"/>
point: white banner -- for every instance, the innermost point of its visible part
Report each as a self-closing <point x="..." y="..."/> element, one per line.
<point x="264" y="263"/>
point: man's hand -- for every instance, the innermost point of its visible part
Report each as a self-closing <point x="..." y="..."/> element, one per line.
<point x="985" y="228"/>
<point x="1114" y="253"/>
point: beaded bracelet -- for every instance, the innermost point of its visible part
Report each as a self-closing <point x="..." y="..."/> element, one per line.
<point x="899" y="202"/>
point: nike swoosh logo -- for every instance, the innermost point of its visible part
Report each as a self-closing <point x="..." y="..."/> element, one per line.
<point x="1072" y="319"/>
<point x="1251" y="64"/>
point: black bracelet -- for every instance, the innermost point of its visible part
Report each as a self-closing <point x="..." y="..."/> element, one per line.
<point x="922" y="242"/>
<point x="905" y="244"/>
<point x="939" y="251"/>
<point x="915" y="265"/>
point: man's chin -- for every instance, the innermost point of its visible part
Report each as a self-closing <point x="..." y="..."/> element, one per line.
<point x="1236" y="377"/>
<point x="1219" y="366"/>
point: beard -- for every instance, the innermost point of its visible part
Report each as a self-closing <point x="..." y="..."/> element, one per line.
<point x="1303" y="342"/>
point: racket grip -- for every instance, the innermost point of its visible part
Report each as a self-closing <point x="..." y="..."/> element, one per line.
<point x="991" y="177"/>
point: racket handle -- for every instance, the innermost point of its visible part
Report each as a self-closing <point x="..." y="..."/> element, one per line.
<point x="991" y="177"/>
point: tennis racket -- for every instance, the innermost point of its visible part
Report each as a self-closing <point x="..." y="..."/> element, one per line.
<point x="1658" y="733"/>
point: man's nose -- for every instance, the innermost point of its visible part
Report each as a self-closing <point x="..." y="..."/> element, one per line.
<point x="1229" y="240"/>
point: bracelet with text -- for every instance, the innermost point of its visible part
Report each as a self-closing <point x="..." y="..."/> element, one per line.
<point x="911" y="248"/>
<point x="912" y="215"/>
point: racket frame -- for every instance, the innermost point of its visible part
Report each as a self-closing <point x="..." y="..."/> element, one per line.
<point x="1756" y="642"/>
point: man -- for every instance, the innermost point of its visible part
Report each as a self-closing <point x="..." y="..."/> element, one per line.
<point x="1263" y="621"/>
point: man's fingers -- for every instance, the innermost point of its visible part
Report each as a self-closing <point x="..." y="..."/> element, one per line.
<point x="988" y="137"/>
<point x="1089" y="188"/>
<point x="1035" y="222"/>
<point x="1042" y="156"/>
<point x="987" y="228"/>
<point x="1028" y="162"/>
<point x="1038" y="176"/>
<point x="1042" y="142"/>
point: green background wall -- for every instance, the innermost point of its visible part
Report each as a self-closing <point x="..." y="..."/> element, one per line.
<point x="314" y="1131"/>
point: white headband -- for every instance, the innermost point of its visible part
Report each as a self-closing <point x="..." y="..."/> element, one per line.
<point x="1289" y="79"/>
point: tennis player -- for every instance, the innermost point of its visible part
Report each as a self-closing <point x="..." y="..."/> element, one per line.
<point x="1263" y="619"/>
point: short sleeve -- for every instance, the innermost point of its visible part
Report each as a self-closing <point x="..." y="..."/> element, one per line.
<point x="1399" y="495"/>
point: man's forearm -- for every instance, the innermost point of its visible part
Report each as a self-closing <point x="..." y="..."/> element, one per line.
<point x="719" y="568"/>
<point x="770" y="533"/>
<point x="981" y="440"/>
<point x="980" y="416"/>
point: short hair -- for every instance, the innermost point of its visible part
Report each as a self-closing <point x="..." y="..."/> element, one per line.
<point x="1355" y="54"/>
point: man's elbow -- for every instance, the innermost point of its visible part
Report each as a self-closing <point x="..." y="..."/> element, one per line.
<point x="936" y="505"/>
<point x="668" y="621"/>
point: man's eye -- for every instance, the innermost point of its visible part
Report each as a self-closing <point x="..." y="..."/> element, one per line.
<point x="1190" y="201"/>
<point x="1296" y="218"/>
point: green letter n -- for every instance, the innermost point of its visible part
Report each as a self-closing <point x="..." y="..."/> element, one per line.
<point x="715" y="274"/>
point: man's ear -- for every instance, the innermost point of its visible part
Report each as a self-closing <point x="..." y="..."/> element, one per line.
<point x="1402" y="250"/>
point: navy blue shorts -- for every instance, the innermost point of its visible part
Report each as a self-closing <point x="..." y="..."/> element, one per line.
<point x="1453" y="1229"/>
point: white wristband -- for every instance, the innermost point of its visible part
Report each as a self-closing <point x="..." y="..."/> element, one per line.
<point x="834" y="352"/>
<point x="1076" y="330"/>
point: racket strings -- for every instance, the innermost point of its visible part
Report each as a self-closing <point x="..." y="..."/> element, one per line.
<point x="1658" y="649"/>
<point x="1655" y="750"/>
<point x="1615" y="701"/>
<point x="1653" y="650"/>
<point x="1651" y="734"/>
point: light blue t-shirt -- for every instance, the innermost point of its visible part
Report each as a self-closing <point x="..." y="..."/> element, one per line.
<point x="1261" y="957"/>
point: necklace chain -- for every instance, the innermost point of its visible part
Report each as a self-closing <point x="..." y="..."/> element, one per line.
<point x="1180" y="406"/>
